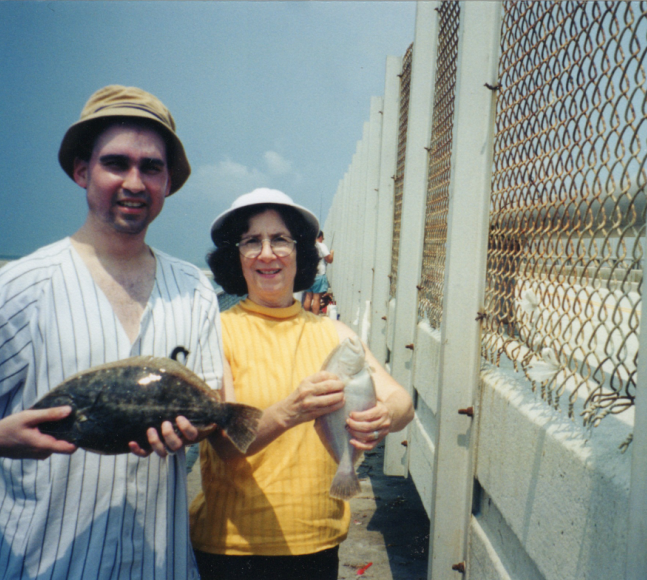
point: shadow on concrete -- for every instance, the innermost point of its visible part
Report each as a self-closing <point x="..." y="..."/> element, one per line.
<point x="389" y="527"/>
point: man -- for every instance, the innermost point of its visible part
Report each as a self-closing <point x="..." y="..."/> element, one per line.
<point x="312" y="296"/>
<point x="98" y="296"/>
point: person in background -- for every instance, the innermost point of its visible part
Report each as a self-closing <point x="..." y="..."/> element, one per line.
<point x="95" y="297"/>
<point x="267" y="514"/>
<point x="312" y="296"/>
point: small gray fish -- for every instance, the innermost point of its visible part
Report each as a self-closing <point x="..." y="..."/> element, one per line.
<point x="115" y="403"/>
<point x="348" y="362"/>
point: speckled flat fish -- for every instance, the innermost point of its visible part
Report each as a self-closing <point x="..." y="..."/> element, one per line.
<point x="115" y="403"/>
<point x="348" y="362"/>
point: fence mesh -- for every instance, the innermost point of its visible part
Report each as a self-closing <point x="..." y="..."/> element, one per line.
<point x="568" y="200"/>
<point x="430" y="302"/>
<point x="405" y="83"/>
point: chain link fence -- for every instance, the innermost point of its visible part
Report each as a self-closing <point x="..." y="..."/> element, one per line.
<point x="405" y="83"/>
<point x="568" y="201"/>
<point x="430" y="303"/>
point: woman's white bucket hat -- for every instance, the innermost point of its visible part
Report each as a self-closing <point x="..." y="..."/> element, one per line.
<point x="259" y="196"/>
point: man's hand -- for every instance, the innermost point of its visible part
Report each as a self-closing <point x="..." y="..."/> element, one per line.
<point x="20" y="437"/>
<point x="171" y="440"/>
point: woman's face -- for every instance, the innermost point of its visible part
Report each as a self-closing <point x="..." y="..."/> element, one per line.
<point x="270" y="279"/>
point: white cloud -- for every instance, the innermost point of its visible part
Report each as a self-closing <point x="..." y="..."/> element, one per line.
<point x="227" y="179"/>
<point x="276" y="164"/>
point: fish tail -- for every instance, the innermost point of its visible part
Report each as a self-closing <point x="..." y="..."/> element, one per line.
<point x="242" y="424"/>
<point x="345" y="484"/>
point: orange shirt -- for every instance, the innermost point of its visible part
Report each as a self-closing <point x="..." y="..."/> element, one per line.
<point x="275" y="502"/>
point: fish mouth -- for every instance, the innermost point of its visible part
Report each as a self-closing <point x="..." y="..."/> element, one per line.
<point x="355" y="344"/>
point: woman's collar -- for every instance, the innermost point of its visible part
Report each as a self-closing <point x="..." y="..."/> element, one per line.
<point x="287" y="312"/>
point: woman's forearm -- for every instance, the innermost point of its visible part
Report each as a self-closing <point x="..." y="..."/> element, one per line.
<point x="271" y="425"/>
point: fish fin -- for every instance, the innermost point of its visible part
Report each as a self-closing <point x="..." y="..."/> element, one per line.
<point x="324" y="437"/>
<point x="242" y="425"/>
<point x="357" y="460"/>
<point x="332" y="353"/>
<point x="345" y="485"/>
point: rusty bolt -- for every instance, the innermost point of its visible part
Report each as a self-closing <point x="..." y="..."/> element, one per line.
<point x="493" y="88"/>
<point x="405" y="444"/>
<point x="419" y="288"/>
<point x="460" y="567"/>
<point x="383" y="317"/>
<point x="409" y="346"/>
<point x="480" y="316"/>
<point x="469" y="411"/>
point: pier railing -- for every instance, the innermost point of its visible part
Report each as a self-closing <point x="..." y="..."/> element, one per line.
<point x="489" y="246"/>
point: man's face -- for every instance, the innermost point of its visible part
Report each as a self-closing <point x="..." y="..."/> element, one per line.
<point x="126" y="179"/>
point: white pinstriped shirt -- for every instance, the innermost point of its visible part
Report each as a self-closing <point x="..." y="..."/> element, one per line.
<point x="89" y="515"/>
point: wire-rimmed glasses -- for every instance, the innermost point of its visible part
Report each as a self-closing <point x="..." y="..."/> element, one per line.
<point x="282" y="246"/>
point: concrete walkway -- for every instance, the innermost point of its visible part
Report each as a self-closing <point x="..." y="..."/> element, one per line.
<point x="389" y="527"/>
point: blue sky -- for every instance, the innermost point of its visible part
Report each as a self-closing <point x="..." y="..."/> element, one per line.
<point x="263" y="93"/>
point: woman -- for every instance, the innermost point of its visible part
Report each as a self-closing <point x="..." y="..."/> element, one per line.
<point x="268" y="514"/>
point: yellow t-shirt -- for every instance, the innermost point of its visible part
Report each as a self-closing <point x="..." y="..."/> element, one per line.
<point x="275" y="502"/>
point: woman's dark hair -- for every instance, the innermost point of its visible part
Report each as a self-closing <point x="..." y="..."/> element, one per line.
<point x="224" y="261"/>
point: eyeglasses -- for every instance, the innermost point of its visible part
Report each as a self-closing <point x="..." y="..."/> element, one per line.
<point x="252" y="247"/>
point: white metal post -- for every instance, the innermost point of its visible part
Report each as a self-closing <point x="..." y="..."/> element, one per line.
<point x="357" y="227"/>
<point x="331" y="227"/>
<point x="637" y="526"/>
<point x="370" y="213"/>
<point x="346" y="247"/>
<point x="467" y="239"/>
<point x="412" y="228"/>
<point x="384" y="230"/>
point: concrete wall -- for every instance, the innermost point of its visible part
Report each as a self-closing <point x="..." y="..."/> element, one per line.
<point x="514" y="488"/>
<point x="552" y="496"/>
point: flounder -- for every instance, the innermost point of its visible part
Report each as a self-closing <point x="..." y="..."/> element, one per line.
<point x="115" y="403"/>
<point x="348" y="362"/>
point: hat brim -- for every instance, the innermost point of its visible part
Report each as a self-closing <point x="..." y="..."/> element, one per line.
<point x="178" y="163"/>
<point x="217" y="224"/>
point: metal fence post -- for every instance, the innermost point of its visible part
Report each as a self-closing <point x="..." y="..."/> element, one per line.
<point x="384" y="229"/>
<point x="637" y="528"/>
<point x="369" y="218"/>
<point x="413" y="214"/>
<point x="347" y="268"/>
<point x="467" y="240"/>
<point x="357" y="247"/>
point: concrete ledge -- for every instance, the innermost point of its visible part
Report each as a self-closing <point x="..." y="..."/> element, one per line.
<point x="495" y="551"/>
<point x="421" y="461"/>
<point x="390" y="324"/>
<point x="426" y="362"/>
<point x="560" y="489"/>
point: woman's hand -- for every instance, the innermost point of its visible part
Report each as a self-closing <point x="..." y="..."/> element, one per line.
<point x="368" y="428"/>
<point x="170" y="442"/>
<point x="316" y="395"/>
<point x="20" y="437"/>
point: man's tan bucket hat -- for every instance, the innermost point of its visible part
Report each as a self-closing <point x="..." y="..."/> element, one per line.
<point x="119" y="101"/>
